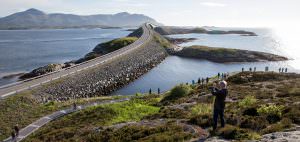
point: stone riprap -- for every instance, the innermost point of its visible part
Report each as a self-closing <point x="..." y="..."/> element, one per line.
<point x="104" y="79"/>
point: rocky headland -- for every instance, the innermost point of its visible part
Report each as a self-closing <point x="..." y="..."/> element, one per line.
<point x="225" y="55"/>
<point x="169" y="30"/>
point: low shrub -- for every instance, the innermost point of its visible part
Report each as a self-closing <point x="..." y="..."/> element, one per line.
<point x="294" y="92"/>
<point x="202" y="109"/>
<point x="202" y="120"/>
<point x="178" y="92"/>
<point x="250" y="111"/>
<point x="232" y="119"/>
<point x="254" y="123"/>
<point x="232" y="132"/>
<point x="170" y="113"/>
<point x="247" y="101"/>
<point x="293" y="113"/>
<point x="162" y="133"/>
<point x="272" y="112"/>
<point x="283" y="124"/>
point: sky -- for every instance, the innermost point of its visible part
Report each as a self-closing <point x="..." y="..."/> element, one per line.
<point x="280" y="15"/>
<point x="226" y="13"/>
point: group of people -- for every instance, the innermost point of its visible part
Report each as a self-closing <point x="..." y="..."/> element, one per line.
<point x="283" y="70"/>
<point x="223" y="76"/>
<point x="158" y="91"/>
<point x="250" y="69"/>
<point x="15" y="132"/>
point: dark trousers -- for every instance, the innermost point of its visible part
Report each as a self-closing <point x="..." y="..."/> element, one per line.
<point x="218" y="112"/>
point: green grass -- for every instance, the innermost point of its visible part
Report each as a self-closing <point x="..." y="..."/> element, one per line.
<point x="214" y="49"/>
<point x="130" y="111"/>
<point x="162" y="41"/>
<point x="115" y="44"/>
<point x="202" y="109"/>
<point x="73" y="126"/>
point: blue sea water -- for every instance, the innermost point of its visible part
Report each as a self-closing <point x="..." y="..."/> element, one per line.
<point x="24" y="50"/>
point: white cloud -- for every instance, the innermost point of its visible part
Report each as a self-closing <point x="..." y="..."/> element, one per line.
<point x="213" y="4"/>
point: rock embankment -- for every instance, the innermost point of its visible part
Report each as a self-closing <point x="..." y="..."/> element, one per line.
<point x="223" y="55"/>
<point x="169" y="30"/>
<point x="106" y="78"/>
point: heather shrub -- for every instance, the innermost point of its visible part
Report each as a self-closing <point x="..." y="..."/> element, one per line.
<point x="272" y="112"/>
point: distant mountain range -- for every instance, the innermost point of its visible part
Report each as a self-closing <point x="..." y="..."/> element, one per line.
<point x="36" y="19"/>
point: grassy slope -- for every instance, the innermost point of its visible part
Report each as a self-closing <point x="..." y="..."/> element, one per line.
<point x="115" y="44"/>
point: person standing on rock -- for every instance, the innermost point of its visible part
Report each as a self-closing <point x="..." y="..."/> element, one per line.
<point x="219" y="104"/>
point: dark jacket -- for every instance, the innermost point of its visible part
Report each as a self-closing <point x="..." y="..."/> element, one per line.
<point x="220" y="98"/>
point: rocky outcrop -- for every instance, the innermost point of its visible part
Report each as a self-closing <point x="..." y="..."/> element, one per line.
<point x="43" y="70"/>
<point x="168" y="30"/>
<point x="224" y="55"/>
<point x="292" y="136"/>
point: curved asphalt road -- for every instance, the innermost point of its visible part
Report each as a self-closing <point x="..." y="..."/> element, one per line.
<point x="14" y="88"/>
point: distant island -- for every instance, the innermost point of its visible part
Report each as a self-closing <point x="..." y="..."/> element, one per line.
<point x="226" y="55"/>
<point x="170" y="30"/>
<point x="36" y="19"/>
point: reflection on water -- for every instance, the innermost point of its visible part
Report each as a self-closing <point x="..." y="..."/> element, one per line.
<point x="174" y="70"/>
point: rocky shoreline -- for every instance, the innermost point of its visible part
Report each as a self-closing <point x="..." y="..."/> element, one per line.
<point x="104" y="79"/>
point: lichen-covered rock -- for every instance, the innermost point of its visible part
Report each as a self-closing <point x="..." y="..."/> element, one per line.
<point x="293" y="136"/>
